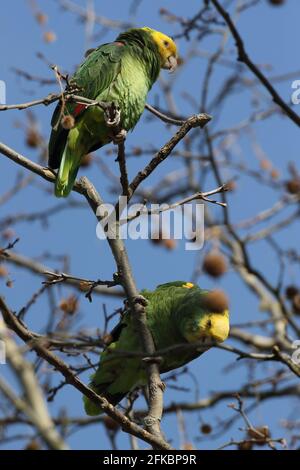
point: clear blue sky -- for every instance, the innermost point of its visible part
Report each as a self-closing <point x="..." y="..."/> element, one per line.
<point x="271" y="36"/>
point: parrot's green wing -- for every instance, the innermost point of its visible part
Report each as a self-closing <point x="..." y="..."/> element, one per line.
<point x="96" y="74"/>
<point x="100" y="69"/>
<point x="117" y="373"/>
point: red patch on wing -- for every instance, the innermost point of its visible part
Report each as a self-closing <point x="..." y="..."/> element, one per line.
<point x="119" y="43"/>
<point x="78" y="109"/>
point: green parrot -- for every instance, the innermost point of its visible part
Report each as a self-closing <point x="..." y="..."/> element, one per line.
<point x="176" y="314"/>
<point x="121" y="72"/>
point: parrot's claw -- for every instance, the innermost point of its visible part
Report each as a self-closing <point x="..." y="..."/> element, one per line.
<point x="119" y="137"/>
<point x="112" y="115"/>
<point x="140" y="299"/>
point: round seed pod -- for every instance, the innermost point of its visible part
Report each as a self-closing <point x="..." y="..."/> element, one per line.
<point x="260" y="434"/>
<point x="169" y="243"/>
<point x="293" y="186"/>
<point x="68" y="122"/>
<point x="275" y="174"/>
<point x="245" y="445"/>
<point x="3" y="271"/>
<point x="188" y="446"/>
<point x="296" y="304"/>
<point x="49" y="36"/>
<point x="41" y="18"/>
<point x="216" y="301"/>
<point x="214" y="264"/>
<point x="291" y="291"/>
<point x="206" y="428"/>
<point x="32" y="138"/>
<point x="69" y="305"/>
<point x="277" y="3"/>
<point x="86" y="160"/>
<point x="265" y="164"/>
<point x="33" y="445"/>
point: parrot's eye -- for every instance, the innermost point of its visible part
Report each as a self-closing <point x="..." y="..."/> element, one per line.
<point x="209" y="324"/>
<point x="166" y="43"/>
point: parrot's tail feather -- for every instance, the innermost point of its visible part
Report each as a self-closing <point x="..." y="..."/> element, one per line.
<point x="92" y="409"/>
<point x="67" y="174"/>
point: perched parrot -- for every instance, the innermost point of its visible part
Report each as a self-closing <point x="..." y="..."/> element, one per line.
<point x="121" y="72"/>
<point x="176" y="314"/>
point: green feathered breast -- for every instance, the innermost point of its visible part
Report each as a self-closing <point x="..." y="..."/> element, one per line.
<point x="176" y="315"/>
<point x="123" y="72"/>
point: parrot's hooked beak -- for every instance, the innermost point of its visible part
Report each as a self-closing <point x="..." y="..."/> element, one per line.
<point x="170" y="64"/>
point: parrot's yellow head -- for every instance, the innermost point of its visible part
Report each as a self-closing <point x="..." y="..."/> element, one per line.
<point x="166" y="47"/>
<point x="211" y="327"/>
<point x="216" y="326"/>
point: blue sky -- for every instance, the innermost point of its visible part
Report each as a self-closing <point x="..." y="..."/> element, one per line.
<point x="271" y="36"/>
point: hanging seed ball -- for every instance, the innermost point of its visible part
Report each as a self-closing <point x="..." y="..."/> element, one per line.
<point x="32" y="138"/>
<point x="87" y="160"/>
<point x="245" y="445"/>
<point x="214" y="264"/>
<point x="277" y="2"/>
<point x="169" y="243"/>
<point x="265" y="164"/>
<point x="206" y="428"/>
<point x="33" y="445"/>
<point x="260" y="434"/>
<point x="293" y="186"/>
<point x="84" y="286"/>
<point x="231" y="186"/>
<point x="8" y="234"/>
<point x="41" y="18"/>
<point x="275" y="174"/>
<point x="216" y="301"/>
<point x="110" y="424"/>
<point x="291" y="291"/>
<point x="49" y="36"/>
<point x="68" y="122"/>
<point x="296" y="303"/>
<point x="188" y="446"/>
<point x="69" y="305"/>
<point x="136" y="151"/>
<point x="3" y="271"/>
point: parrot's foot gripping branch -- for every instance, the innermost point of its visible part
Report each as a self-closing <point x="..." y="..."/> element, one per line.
<point x="140" y="299"/>
<point x="112" y="116"/>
